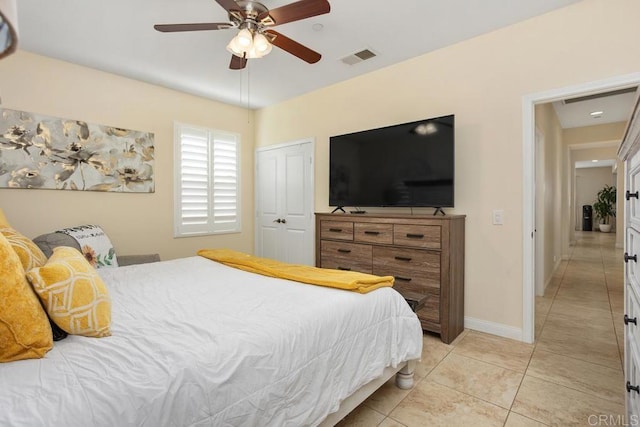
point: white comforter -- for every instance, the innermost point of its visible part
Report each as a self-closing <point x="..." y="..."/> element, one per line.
<point x="198" y="343"/>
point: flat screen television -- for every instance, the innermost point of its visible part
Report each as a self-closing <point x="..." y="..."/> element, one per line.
<point x="406" y="165"/>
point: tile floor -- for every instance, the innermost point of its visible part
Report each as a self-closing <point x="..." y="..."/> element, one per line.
<point x="574" y="369"/>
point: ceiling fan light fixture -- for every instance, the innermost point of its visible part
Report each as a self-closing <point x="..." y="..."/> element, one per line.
<point x="234" y="48"/>
<point x="245" y="39"/>
<point x="261" y="43"/>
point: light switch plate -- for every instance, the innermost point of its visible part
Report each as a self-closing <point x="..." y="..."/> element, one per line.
<point x="498" y="217"/>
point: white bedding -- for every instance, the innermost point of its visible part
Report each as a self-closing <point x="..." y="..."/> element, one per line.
<point x="198" y="343"/>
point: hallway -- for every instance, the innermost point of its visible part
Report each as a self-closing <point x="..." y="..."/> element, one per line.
<point x="570" y="376"/>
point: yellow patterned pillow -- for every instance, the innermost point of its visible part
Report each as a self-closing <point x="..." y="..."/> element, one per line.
<point x="24" y="328"/>
<point x="73" y="293"/>
<point x="29" y="253"/>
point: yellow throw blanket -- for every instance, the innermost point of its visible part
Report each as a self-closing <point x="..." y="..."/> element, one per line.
<point x="347" y="280"/>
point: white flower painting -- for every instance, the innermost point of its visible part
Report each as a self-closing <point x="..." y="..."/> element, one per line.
<point x="49" y="153"/>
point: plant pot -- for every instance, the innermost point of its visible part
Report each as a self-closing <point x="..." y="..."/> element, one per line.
<point x="605" y="228"/>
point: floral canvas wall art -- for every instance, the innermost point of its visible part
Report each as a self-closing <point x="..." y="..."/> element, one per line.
<point x="44" y="152"/>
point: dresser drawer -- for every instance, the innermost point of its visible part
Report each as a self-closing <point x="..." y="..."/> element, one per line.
<point x="345" y="256"/>
<point x="337" y="230"/>
<point x="431" y="309"/>
<point x="373" y="233"/>
<point x="414" y="270"/>
<point x="419" y="236"/>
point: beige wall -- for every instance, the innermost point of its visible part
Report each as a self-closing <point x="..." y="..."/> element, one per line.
<point x="136" y="223"/>
<point x="548" y="124"/>
<point x="482" y="81"/>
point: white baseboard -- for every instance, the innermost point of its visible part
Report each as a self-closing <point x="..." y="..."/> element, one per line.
<point x="493" y="328"/>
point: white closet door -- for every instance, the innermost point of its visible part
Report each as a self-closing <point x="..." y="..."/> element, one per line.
<point x="284" y="203"/>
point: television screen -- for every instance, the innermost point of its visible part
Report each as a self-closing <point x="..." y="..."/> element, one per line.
<point x="407" y="165"/>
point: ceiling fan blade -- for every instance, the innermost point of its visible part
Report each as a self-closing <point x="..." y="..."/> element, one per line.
<point x="295" y="11"/>
<point x="228" y="5"/>
<point x="237" y="63"/>
<point x="173" y="28"/>
<point x="293" y="47"/>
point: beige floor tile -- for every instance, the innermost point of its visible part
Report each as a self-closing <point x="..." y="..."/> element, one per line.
<point x="517" y="420"/>
<point x="616" y="299"/>
<point x="386" y="397"/>
<point x="431" y="404"/>
<point x="587" y="284"/>
<point x="362" y="416"/>
<point x="597" y="380"/>
<point x="483" y="380"/>
<point x="595" y="294"/>
<point x="498" y="351"/>
<point x="563" y="306"/>
<point x="600" y="349"/>
<point x="433" y="351"/>
<point x="582" y="320"/>
<point x="582" y="302"/>
<point x="390" y="422"/>
<point x="553" y="404"/>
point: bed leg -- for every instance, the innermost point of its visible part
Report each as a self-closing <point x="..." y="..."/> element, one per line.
<point x="404" y="377"/>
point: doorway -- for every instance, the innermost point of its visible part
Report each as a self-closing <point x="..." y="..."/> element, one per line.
<point x="529" y="178"/>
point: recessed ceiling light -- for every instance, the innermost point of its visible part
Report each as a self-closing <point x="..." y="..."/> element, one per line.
<point x="596" y="113"/>
<point x="317" y="27"/>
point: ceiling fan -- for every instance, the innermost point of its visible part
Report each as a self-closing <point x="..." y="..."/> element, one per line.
<point x="254" y="20"/>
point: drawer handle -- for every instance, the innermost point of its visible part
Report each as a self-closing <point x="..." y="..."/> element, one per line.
<point x="345" y="251"/>
<point x="344" y="268"/>
<point x="403" y="258"/>
<point x="628" y="320"/>
<point x="630" y="387"/>
<point x="374" y="233"/>
<point x="336" y="230"/>
<point x="403" y="279"/>
<point x="629" y="195"/>
<point x="415" y="236"/>
<point x="628" y="257"/>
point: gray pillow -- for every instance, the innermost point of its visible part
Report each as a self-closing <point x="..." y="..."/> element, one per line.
<point x="47" y="242"/>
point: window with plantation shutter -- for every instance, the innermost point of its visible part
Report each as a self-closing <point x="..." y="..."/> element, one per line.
<point x="207" y="199"/>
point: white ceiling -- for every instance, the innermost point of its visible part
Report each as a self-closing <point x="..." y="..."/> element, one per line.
<point x="117" y="36"/>
<point x="615" y="108"/>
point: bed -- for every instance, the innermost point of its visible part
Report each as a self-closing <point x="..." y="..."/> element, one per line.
<point x="198" y="343"/>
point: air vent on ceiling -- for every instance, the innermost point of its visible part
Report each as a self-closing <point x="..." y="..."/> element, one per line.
<point x="363" y="55"/>
<point x="599" y="95"/>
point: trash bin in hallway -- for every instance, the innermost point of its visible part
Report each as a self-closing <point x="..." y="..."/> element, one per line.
<point x="587" y="218"/>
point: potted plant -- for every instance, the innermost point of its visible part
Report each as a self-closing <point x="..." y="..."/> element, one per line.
<point x="605" y="207"/>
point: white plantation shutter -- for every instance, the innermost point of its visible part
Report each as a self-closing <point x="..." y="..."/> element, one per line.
<point x="207" y="181"/>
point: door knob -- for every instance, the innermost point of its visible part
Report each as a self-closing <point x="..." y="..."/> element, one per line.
<point x="277" y="220"/>
<point x="632" y="387"/>
<point x="284" y="221"/>
<point x="628" y="257"/>
<point x="628" y="320"/>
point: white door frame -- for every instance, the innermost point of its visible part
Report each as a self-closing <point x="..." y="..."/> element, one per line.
<point x="312" y="141"/>
<point x="528" y="178"/>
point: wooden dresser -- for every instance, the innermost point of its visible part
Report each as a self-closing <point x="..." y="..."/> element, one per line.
<point x="424" y="253"/>
<point x="630" y="152"/>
